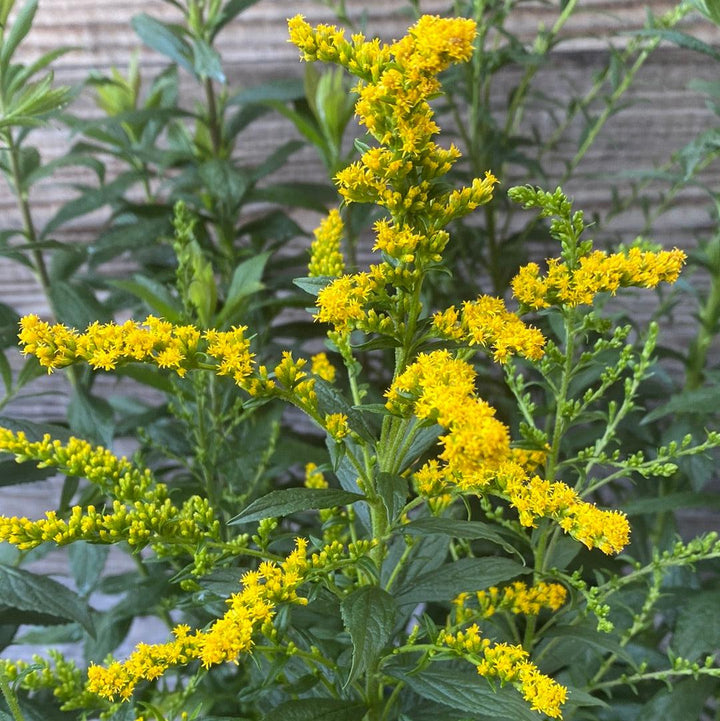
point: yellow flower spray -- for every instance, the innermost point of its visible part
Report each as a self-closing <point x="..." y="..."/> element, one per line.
<point x="434" y="430"/>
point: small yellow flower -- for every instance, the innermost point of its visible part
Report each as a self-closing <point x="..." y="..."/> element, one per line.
<point x="322" y="367"/>
<point x="227" y="638"/>
<point x="509" y="664"/>
<point x="337" y="425"/>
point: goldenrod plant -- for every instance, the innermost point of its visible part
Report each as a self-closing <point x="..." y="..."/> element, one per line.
<point x="435" y="562"/>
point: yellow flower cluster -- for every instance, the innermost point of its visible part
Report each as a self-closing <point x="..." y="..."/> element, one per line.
<point x="115" y="476"/>
<point x="323" y="368"/>
<point x="597" y="272"/>
<point x="476" y="456"/>
<point x="516" y="598"/>
<point x="326" y="257"/>
<point x="141" y="512"/>
<point x="488" y="323"/>
<point x="169" y="529"/>
<point x="105" y="346"/>
<point x="509" y="664"/>
<point x="535" y="497"/>
<point x="313" y="477"/>
<point x="336" y="425"/>
<point x="361" y="301"/>
<point x="402" y="175"/>
<point x="301" y="389"/>
<point x="249" y="611"/>
<point x="395" y="80"/>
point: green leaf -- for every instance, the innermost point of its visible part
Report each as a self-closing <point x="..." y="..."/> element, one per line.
<point x="91" y="417"/>
<point x="571" y="641"/>
<point x="276" y="159"/>
<point x="682" y="40"/>
<point x="709" y="8"/>
<point x="29" y="372"/>
<point x="393" y="491"/>
<point x="683" y="702"/>
<point x="452" y="579"/>
<point x="91" y="199"/>
<point x="131" y="235"/>
<point x="313" y="285"/>
<point x="111" y="629"/>
<point x="671" y="502"/>
<point x="283" y="91"/>
<point x="224" y="181"/>
<point x="77" y="306"/>
<point x="18" y="31"/>
<point x="576" y="697"/>
<point x="164" y="39"/>
<point x="13" y="473"/>
<point x="313" y="196"/>
<point x="156" y="295"/>
<point x="30" y="592"/>
<point x="6" y="372"/>
<point x="206" y="61"/>
<point x="424" y="439"/>
<point x="456" y="528"/>
<point x="704" y="401"/>
<point x="25" y="72"/>
<point x="8" y="326"/>
<point x="35" y="431"/>
<point x="427" y="553"/>
<point x="87" y="561"/>
<point x="347" y="476"/>
<point x="317" y="709"/>
<point x="245" y="281"/>
<point x="466" y="691"/>
<point x="304" y="123"/>
<point x="229" y="11"/>
<point x="369" y="616"/>
<point x="291" y="500"/>
<point x="698" y="626"/>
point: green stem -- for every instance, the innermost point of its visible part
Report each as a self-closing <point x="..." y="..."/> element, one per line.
<point x="542" y="45"/>
<point x="658" y="676"/>
<point x="541" y="552"/>
<point x="24" y="206"/>
<point x="391" y="700"/>
<point x="697" y="356"/>
<point x="213" y="124"/>
<point x="561" y="398"/>
<point x="10" y="698"/>
<point x="398" y="567"/>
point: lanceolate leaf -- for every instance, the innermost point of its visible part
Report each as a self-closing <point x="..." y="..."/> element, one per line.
<point x="317" y="709"/>
<point x="30" y="592"/>
<point x="467" y="691"/>
<point x="467" y="574"/>
<point x="456" y="528"/>
<point x="369" y="615"/>
<point x="698" y="626"/>
<point x="164" y="39"/>
<point x="702" y="401"/>
<point x="291" y="500"/>
<point x="18" y="30"/>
